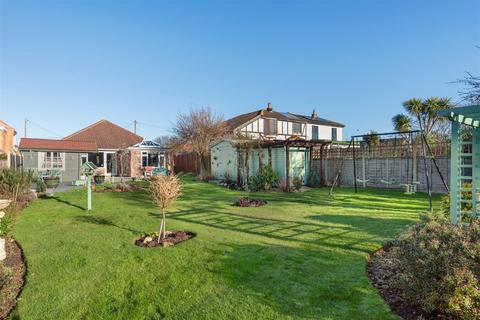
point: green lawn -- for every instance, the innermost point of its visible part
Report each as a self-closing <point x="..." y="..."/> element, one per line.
<point x="301" y="256"/>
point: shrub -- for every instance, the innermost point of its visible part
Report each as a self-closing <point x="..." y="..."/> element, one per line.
<point x="466" y="207"/>
<point x="313" y="179"/>
<point x="437" y="267"/>
<point x="5" y="225"/>
<point x="297" y="183"/>
<point x="164" y="190"/>
<point x="15" y="182"/>
<point x="265" y="179"/>
<point x="41" y="186"/>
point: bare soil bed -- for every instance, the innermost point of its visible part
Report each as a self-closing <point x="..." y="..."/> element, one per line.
<point x="171" y="238"/>
<point x="249" y="202"/>
<point x="12" y="273"/>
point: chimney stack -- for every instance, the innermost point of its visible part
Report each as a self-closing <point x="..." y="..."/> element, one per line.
<point x="314" y="115"/>
<point x="269" y="107"/>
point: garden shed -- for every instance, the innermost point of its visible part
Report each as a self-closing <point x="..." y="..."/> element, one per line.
<point x="465" y="163"/>
<point x="237" y="160"/>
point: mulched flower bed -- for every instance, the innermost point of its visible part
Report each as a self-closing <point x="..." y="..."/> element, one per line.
<point x="171" y="238"/>
<point x="116" y="188"/>
<point x="380" y="270"/>
<point x="12" y="278"/>
<point x="249" y="202"/>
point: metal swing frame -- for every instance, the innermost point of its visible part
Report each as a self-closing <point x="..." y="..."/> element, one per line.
<point x="410" y="188"/>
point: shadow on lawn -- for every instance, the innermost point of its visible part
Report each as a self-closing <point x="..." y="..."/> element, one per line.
<point x="103" y="222"/>
<point x="344" y="236"/>
<point x="304" y="283"/>
<point x="63" y="201"/>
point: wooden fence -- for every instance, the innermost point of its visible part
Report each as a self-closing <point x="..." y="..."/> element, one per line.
<point x="189" y="162"/>
<point x="334" y="151"/>
<point x="15" y="162"/>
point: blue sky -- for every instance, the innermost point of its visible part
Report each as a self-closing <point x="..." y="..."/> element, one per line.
<point x="66" y="64"/>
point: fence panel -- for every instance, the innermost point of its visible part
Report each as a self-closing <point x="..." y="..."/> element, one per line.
<point x="189" y="162"/>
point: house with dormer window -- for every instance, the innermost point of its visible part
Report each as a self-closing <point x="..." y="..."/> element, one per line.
<point x="268" y="124"/>
<point x="283" y="140"/>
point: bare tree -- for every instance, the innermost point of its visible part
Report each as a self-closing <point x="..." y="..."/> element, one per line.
<point x="123" y="162"/>
<point x="471" y="91"/>
<point x="164" y="141"/>
<point x="164" y="190"/>
<point x="199" y="129"/>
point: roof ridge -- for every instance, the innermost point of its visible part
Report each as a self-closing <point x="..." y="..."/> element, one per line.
<point x="96" y="124"/>
<point x="48" y="139"/>
<point x="87" y="127"/>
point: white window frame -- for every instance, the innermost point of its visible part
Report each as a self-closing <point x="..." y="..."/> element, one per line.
<point x="270" y="127"/>
<point x="333" y="129"/>
<point x="143" y="154"/>
<point x="49" y="160"/>
<point x="293" y="128"/>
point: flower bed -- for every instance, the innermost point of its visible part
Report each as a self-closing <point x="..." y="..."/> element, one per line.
<point x="249" y="202"/>
<point x="171" y="238"/>
<point x="12" y="272"/>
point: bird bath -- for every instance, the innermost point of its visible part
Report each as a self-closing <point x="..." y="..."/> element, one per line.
<point x="3" y="205"/>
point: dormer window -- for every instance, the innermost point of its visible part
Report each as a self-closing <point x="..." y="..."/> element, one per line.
<point x="270" y="126"/>
<point x="297" y="128"/>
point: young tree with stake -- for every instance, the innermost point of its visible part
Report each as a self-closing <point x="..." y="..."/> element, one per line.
<point x="164" y="190"/>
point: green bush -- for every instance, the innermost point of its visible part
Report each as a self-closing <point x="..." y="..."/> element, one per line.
<point x="5" y="225"/>
<point x="265" y="179"/>
<point x="313" y="179"/>
<point x="297" y="183"/>
<point x="41" y="186"/>
<point x="437" y="267"/>
<point x="15" y="182"/>
<point x="465" y="209"/>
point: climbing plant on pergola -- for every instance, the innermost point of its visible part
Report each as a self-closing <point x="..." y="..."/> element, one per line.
<point x="465" y="162"/>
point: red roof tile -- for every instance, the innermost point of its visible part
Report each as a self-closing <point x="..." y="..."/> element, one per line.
<point x="60" y="145"/>
<point x="107" y="135"/>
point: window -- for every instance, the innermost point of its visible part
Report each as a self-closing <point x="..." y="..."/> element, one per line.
<point x="51" y="160"/>
<point x="162" y="160"/>
<point x="96" y="158"/>
<point x="270" y="126"/>
<point x="314" y="132"/>
<point x="144" y="158"/>
<point x="297" y="128"/>
<point x="150" y="159"/>
<point x="334" y="134"/>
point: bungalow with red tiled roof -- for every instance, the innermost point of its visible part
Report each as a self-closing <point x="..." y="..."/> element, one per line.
<point x="118" y="151"/>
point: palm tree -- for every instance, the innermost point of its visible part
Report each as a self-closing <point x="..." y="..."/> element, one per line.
<point x="421" y="113"/>
<point x="372" y="139"/>
<point x="402" y="122"/>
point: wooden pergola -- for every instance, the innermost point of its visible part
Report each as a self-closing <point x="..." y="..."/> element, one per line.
<point x="465" y="161"/>
<point x="293" y="142"/>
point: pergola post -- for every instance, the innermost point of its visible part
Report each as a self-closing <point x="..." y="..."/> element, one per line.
<point x="322" y="165"/>
<point x="287" y="167"/>
<point x="455" y="174"/>
<point x="310" y="163"/>
<point x="270" y="156"/>
<point x="476" y="172"/>
<point x="239" y="172"/>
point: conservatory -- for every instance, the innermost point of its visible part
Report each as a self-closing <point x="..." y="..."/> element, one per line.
<point x="465" y="163"/>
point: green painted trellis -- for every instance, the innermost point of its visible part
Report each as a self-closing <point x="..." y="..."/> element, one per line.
<point x="465" y="162"/>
